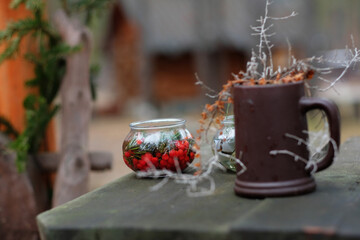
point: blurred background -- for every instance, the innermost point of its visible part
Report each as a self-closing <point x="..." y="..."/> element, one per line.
<point x="148" y="52"/>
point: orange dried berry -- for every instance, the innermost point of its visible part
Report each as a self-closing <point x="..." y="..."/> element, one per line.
<point x="197" y="173"/>
<point x="197" y="164"/>
<point x="209" y="107"/>
<point x="227" y="86"/>
<point x="201" y="121"/>
<point x="204" y="115"/>
<point x="196" y="147"/>
<point x="278" y="77"/>
<point x="237" y="81"/>
<point x="197" y="155"/>
<point x="200" y="130"/>
<point x="221" y="118"/>
<point x="287" y="79"/>
<point x="310" y="74"/>
<point x="299" y="77"/>
<point x="262" y="81"/>
<point x="230" y="100"/>
<point x="220" y="104"/>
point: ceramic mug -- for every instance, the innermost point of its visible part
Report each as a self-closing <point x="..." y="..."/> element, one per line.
<point x="264" y="117"/>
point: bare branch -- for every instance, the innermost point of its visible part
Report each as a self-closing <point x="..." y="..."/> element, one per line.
<point x="204" y="86"/>
<point x="293" y="14"/>
<point x="354" y="59"/>
<point x="296" y="157"/>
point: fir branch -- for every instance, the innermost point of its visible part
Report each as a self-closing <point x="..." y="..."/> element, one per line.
<point x="37" y="115"/>
<point x="20" y="27"/>
<point x="16" y="3"/>
<point x="11" y="49"/>
<point x="33" y="5"/>
<point x="49" y="68"/>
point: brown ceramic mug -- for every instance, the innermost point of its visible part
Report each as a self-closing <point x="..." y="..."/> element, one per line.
<point x="264" y="115"/>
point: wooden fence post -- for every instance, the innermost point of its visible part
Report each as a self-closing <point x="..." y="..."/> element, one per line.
<point x="73" y="173"/>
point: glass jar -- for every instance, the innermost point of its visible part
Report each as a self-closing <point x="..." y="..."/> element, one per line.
<point x="224" y="143"/>
<point x="159" y="144"/>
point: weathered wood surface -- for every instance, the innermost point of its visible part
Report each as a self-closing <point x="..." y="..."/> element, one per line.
<point x="125" y="209"/>
<point x="72" y="177"/>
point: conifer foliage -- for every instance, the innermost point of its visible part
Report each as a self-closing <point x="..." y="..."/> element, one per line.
<point x="49" y="63"/>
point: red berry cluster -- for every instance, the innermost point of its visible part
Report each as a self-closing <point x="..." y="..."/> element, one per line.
<point x="180" y="152"/>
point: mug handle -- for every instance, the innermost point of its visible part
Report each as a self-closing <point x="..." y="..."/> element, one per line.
<point x="333" y="116"/>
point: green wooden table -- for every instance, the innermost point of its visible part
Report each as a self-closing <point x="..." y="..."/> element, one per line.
<point x="125" y="209"/>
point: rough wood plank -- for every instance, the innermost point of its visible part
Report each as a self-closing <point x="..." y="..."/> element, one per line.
<point x="125" y="209"/>
<point x="99" y="161"/>
<point x="169" y="212"/>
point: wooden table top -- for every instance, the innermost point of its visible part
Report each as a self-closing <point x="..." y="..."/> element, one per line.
<point x="126" y="209"/>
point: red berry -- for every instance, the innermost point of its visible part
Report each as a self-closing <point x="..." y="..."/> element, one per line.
<point x="180" y="152"/>
<point x="139" y="166"/>
<point x="187" y="159"/>
<point x="138" y="141"/>
<point x="163" y="164"/>
<point x="186" y="144"/>
<point x="158" y="154"/>
<point x="192" y="155"/>
<point x="146" y="157"/>
<point x="165" y="157"/>
<point x="155" y="162"/>
<point x="142" y="165"/>
<point x="127" y="154"/>
<point x="171" y="161"/>
<point x="127" y="162"/>
<point x="172" y="153"/>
